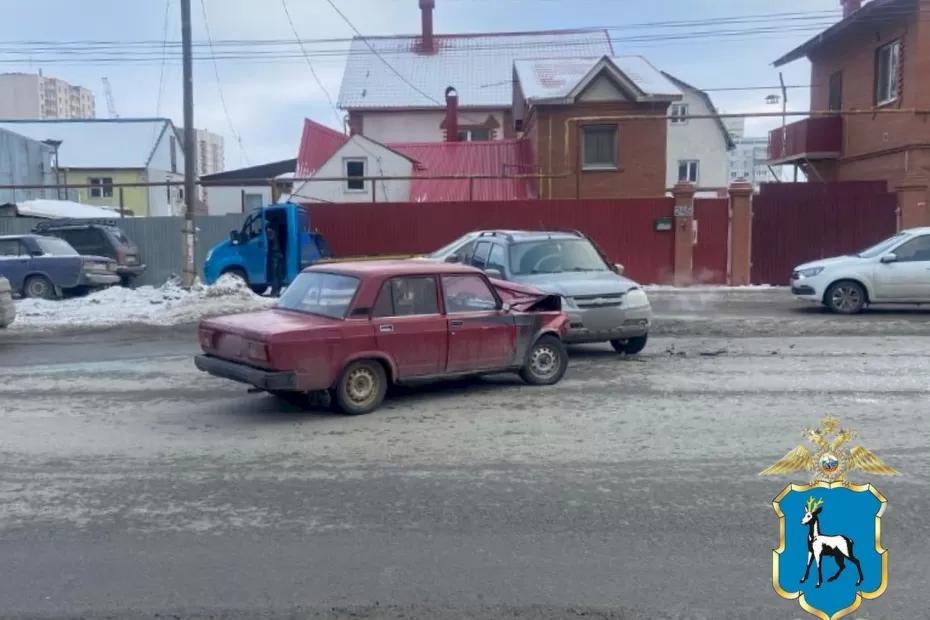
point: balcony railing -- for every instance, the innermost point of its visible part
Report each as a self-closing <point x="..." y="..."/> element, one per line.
<point x="811" y="138"/>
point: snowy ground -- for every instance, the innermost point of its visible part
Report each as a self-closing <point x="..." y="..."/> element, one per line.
<point x="165" y="305"/>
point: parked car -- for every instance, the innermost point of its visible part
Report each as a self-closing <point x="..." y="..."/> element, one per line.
<point x="895" y="271"/>
<point x="48" y="267"/>
<point x="98" y="238"/>
<point x="353" y="328"/>
<point x="601" y="304"/>
<point x="7" y="309"/>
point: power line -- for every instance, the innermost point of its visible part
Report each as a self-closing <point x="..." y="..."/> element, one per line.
<point x="219" y="87"/>
<point x="303" y="52"/>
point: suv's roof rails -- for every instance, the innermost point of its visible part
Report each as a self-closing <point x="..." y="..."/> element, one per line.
<point x="65" y="222"/>
<point x="496" y="233"/>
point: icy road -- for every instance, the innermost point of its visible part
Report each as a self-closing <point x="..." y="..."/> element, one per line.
<point x="133" y="487"/>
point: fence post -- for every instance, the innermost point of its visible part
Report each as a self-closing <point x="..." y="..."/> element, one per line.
<point x="122" y="203"/>
<point x="912" y="202"/>
<point x="739" y="267"/>
<point x="471" y="189"/>
<point x="684" y="233"/>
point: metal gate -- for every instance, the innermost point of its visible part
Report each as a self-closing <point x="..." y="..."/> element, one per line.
<point x="794" y="223"/>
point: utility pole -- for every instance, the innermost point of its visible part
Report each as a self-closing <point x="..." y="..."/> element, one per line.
<point x="190" y="168"/>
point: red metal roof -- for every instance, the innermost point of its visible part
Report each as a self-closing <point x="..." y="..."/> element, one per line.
<point x="317" y="144"/>
<point x="499" y="158"/>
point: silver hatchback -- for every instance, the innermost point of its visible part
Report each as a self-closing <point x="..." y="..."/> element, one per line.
<point x="601" y="303"/>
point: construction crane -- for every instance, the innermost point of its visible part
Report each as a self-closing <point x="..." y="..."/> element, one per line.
<point x="111" y="105"/>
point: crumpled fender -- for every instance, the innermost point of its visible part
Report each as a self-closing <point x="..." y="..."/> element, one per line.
<point x="526" y="298"/>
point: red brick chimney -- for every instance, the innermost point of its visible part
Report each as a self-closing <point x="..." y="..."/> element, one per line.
<point x="452" y="115"/>
<point x="428" y="44"/>
<point x="850" y="7"/>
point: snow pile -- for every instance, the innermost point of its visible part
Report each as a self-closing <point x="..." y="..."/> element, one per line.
<point x="166" y="305"/>
<point x="62" y="208"/>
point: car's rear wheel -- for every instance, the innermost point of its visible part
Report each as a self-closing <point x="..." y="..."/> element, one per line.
<point x="39" y="287"/>
<point x="361" y="387"/>
<point x="845" y="297"/>
<point x="546" y="362"/>
<point x="630" y="346"/>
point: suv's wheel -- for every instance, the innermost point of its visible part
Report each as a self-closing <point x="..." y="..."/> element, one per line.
<point x="845" y="297"/>
<point x="39" y="287"/>
<point x="546" y="362"/>
<point x="361" y="388"/>
<point x="630" y="346"/>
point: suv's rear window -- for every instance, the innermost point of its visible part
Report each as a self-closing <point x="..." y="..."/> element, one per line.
<point x="327" y="294"/>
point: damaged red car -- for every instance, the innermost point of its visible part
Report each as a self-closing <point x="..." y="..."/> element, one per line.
<point x="351" y="329"/>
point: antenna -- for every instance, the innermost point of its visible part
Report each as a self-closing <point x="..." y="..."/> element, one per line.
<point x="111" y="105"/>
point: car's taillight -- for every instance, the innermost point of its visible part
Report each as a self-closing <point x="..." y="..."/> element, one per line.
<point x="258" y="351"/>
<point x="120" y="256"/>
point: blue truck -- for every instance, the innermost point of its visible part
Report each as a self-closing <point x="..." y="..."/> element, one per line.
<point x="246" y="253"/>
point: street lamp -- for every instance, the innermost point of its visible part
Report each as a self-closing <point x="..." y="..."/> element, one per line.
<point x="55" y="144"/>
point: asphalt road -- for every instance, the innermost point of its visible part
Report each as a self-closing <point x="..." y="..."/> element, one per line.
<point x="132" y="486"/>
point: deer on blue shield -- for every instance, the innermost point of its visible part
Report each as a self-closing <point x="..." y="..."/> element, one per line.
<point x="839" y="547"/>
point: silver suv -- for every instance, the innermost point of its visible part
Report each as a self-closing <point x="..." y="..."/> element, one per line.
<point x="602" y="304"/>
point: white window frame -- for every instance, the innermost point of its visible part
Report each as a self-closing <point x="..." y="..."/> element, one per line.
<point x="690" y="165"/>
<point x="888" y="85"/>
<point x="678" y="113"/>
<point x="345" y="169"/>
<point x="467" y="135"/>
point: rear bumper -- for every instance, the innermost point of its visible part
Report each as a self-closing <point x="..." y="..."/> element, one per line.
<point x="99" y="279"/>
<point x="265" y="379"/>
<point x="130" y="270"/>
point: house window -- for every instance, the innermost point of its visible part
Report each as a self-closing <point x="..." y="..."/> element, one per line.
<point x="835" y="94"/>
<point x="688" y="170"/>
<point x="887" y="59"/>
<point x="599" y="147"/>
<point x="101" y="187"/>
<point x="355" y="175"/>
<point x="475" y="134"/>
<point x="678" y="112"/>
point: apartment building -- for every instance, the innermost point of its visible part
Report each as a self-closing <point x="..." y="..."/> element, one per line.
<point x="27" y="96"/>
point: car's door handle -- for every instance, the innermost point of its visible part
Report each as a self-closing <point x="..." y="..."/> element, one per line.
<point x="456" y="323"/>
<point x="386" y="328"/>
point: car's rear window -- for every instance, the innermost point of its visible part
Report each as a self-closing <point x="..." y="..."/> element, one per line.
<point x="315" y="292"/>
<point x="55" y="247"/>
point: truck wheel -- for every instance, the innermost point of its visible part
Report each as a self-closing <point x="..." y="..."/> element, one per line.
<point x="845" y="297"/>
<point x="546" y="362"/>
<point x="630" y="346"/>
<point x="361" y="387"/>
<point x="39" y="287"/>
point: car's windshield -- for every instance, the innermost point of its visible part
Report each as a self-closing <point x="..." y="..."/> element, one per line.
<point x="554" y="256"/>
<point x="327" y="294"/>
<point x="441" y="252"/>
<point x="55" y="247"/>
<point x="881" y="248"/>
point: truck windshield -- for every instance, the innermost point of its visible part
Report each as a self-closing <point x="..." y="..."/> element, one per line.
<point x="326" y="294"/>
<point x="555" y="256"/>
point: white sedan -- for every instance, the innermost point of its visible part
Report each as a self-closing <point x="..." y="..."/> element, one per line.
<point x="895" y="271"/>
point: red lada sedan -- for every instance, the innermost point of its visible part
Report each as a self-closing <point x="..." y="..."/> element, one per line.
<point x="352" y="328"/>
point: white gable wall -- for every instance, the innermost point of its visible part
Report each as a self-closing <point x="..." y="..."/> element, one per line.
<point x="379" y="161"/>
<point x="602" y="89"/>
<point x="420" y="125"/>
<point x="697" y="139"/>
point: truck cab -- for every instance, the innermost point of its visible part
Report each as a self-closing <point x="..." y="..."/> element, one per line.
<point x="246" y="253"/>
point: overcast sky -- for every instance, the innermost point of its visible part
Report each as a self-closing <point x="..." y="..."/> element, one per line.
<point x="267" y="100"/>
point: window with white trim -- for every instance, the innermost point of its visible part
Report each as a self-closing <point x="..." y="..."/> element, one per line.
<point x="688" y="170"/>
<point x="887" y="63"/>
<point x="678" y="113"/>
<point x="355" y="174"/>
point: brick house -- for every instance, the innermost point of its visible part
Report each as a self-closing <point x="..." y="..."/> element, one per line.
<point x="876" y="58"/>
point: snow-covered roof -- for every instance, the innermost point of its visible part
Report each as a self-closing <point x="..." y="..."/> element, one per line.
<point x="558" y="79"/>
<point x="62" y="208"/>
<point x="479" y="67"/>
<point x="97" y="143"/>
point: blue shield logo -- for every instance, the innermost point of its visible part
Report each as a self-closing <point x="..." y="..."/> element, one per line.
<point x="830" y="555"/>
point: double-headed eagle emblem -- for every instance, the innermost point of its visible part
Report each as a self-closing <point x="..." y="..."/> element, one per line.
<point x="831" y="459"/>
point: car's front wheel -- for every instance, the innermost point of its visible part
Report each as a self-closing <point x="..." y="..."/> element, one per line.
<point x="39" y="287"/>
<point x="361" y="387"/>
<point x="630" y="346"/>
<point x="845" y="297"/>
<point x="546" y="362"/>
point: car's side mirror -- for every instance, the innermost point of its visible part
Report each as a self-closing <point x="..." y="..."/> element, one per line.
<point x="890" y="258"/>
<point x="233" y="237"/>
<point x="618" y="268"/>
<point x="35" y="253"/>
<point x="452" y="258"/>
<point x="506" y="307"/>
<point x="493" y="272"/>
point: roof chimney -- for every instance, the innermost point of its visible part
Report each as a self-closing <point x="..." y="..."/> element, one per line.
<point x="849" y="7"/>
<point x="426" y="15"/>
<point x="452" y="115"/>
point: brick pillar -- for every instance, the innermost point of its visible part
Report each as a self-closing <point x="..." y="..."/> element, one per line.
<point x="684" y="233"/>
<point x="740" y="260"/>
<point x="913" y="210"/>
